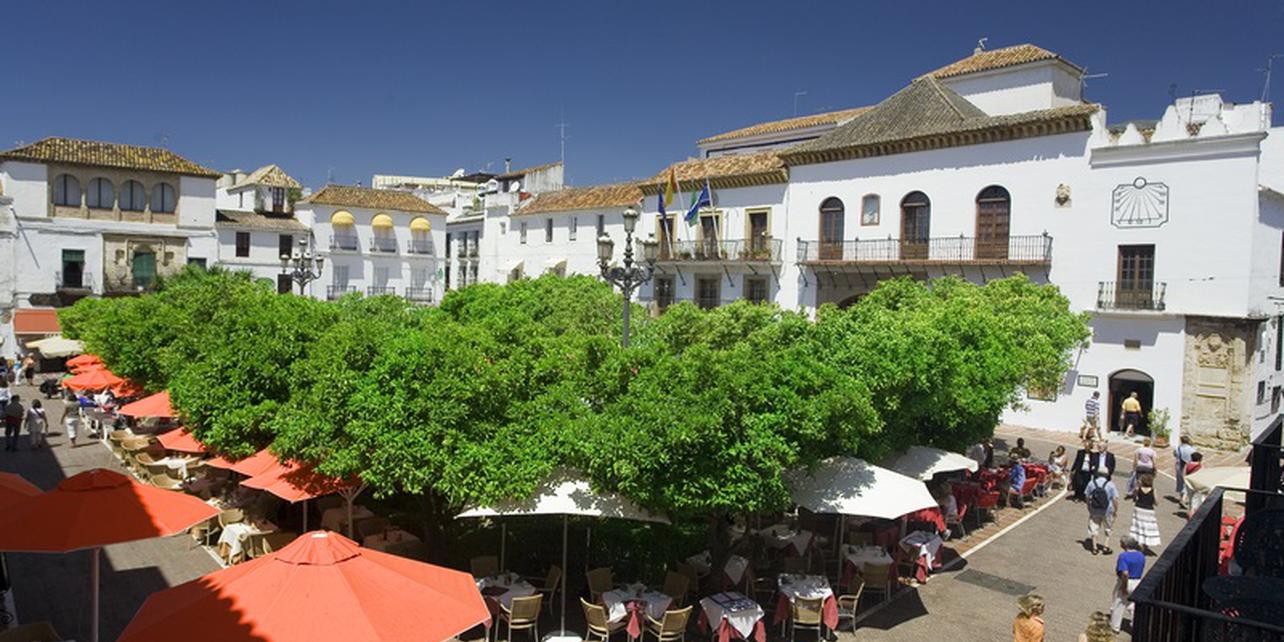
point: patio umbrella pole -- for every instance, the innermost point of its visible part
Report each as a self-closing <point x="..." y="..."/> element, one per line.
<point x="565" y="528"/>
<point x="842" y="522"/>
<point x="93" y="594"/>
<point x="503" y="542"/>
<point x="305" y="515"/>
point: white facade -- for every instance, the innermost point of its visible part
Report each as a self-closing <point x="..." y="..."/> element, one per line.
<point x="256" y="225"/>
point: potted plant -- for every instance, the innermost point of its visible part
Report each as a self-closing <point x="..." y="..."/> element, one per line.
<point x="1159" y="426"/>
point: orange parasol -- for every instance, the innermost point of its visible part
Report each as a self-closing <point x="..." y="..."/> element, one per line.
<point x="14" y="489"/>
<point x="298" y="483"/>
<point x="83" y="360"/>
<point x="127" y="388"/>
<point x="181" y="440"/>
<point x="156" y="405"/>
<point x="97" y="365"/>
<point x="320" y="588"/>
<point x="93" y="380"/>
<point x="257" y="463"/>
<point x="93" y="509"/>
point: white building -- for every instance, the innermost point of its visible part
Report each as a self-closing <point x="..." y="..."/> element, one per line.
<point x="375" y="242"/>
<point x="557" y="231"/>
<point x="93" y="218"/>
<point x="256" y="224"/>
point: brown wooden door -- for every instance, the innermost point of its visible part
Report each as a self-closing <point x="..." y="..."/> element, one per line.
<point x="831" y="229"/>
<point x="993" y="223"/>
<point x="916" y="226"/>
<point x="1135" y="288"/>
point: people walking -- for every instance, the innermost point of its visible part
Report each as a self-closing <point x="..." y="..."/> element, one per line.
<point x="1103" y="505"/>
<point x="1181" y="455"/>
<point x="1028" y="624"/>
<point x="1081" y="472"/>
<point x="1128" y="571"/>
<point x="1131" y="414"/>
<point x="1091" y="417"/>
<point x="1143" y="462"/>
<point x="29" y="369"/>
<point x="14" y="412"/>
<point x="5" y="391"/>
<point x="70" y="423"/>
<point x="1145" y="527"/>
<point x="37" y="424"/>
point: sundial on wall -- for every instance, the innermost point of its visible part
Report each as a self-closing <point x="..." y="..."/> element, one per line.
<point x="1139" y="204"/>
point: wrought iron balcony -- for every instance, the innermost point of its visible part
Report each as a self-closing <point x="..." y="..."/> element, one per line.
<point x="756" y="251"/>
<point x="74" y="281"/>
<point x="376" y="290"/>
<point x="1131" y="295"/>
<point x="463" y="250"/>
<point x="420" y="295"/>
<point x="949" y="250"/>
<point x="383" y="244"/>
<point x="344" y="243"/>
<point x="423" y="247"/>
<point x="333" y="292"/>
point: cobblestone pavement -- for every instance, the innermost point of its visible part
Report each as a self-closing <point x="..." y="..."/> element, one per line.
<point x="56" y="587"/>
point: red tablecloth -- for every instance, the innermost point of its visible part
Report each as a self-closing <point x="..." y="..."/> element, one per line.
<point x="928" y="515"/>
<point x="636" y="611"/>
<point x="726" y="632"/>
<point x="829" y="610"/>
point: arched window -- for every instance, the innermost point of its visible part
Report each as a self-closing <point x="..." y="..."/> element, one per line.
<point x="343" y="233"/>
<point x="133" y="198"/>
<point x="831" y="228"/>
<point x="163" y="198"/>
<point x="102" y="194"/>
<point x="993" y="223"/>
<point x="916" y="226"/>
<point x="66" y="191"/>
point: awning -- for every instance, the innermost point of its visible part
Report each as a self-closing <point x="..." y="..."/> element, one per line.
<point x="566" y="493"/>
<point x="555" y="264"/>
<point x="182" y="441"/>
<point x="36" y="321"/>
<point x="257" y="463"/>
<point x="924" y="462"/>
<point x="156" y="405"/>
<point x="381" y="220"/>
<point x="57" y="347"/>
<point x="342" y="217"/>
<point x="850" y="486"/>
<point x="1204" y="480"/>
<point x="420" y="224"/>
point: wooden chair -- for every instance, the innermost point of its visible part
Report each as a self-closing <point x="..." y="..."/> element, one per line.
<point x="878" y="578"/>
<point x="33" y="632"/>
<point x="484" y="565"/>
<point x="522" y="616"/>
<point x="599" y="581"/>
<point x="676" y="586"/>
<point x="849" y="602"/>
<point x="670" y="628"/>
<point x="806" y="613"/>
<point x="552" y="583"/>
<point x="595" y="620"/>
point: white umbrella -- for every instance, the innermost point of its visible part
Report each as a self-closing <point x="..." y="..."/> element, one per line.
<point x="1204" y="480"/>
<point x="566" y="494"/>
<point x="56" y="347"/>
<point x="924" y="462"/>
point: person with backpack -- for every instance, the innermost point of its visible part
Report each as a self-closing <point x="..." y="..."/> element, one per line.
<point x="1103" y="504"/>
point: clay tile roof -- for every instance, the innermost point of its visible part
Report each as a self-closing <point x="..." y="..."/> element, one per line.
<point x="88" y="152"/>
<point x="998" y="59"/>
<point x="35" y="321"/>
<point x="584" y="198"/>
<point x="258" y="221"/>
<point x="270" y="176"/>
<point x="788" y="124"/>
<point x="528" y="170"/>
<point x="928" y="115"/>
<point x="372" y="199"/>
<point x="732" y="170"/>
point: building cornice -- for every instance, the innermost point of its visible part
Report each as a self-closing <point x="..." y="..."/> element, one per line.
<point x="79" y="226"/>
<point x="1175" y="150"/>
<point x="771" y="177"/>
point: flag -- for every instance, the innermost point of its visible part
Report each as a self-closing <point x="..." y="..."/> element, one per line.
<point x="666" y="199"/>
<point x="703" y="200"/>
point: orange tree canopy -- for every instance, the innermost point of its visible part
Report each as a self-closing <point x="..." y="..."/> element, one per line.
<point x="296" y="483"/>
<point x="156" y="405"/>
<point x="181" y="440"/>
<point x="320" y="588"/>
<point x="14" y="489"/>
<point x="96" y="508"/>
<point x="94" y="380"/>
<point x="83" y="360"/>
<point x="257" y="463"/>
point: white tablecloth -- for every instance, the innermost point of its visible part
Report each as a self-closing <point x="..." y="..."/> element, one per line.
<point x="333" y="519"/>
<point x="923" y="544"/>
<point x="739" y="611"/>
<point x="735" y="568"/>
<point x="234" y="535"/>
<point x="862" y="555"/>
<point x="615" y="600"/>
<point x="381" y="541"/>
<point x="177" y="463"/>
<point x="808" y="587"/>
<point x="781" y="536"/>
<point x="515" y="587"/>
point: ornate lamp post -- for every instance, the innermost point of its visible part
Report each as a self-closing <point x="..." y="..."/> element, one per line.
<point x="303" y="266"/>
<point x="628" y="276"/>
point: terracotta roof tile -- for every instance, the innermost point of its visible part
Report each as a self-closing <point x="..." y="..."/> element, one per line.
<point x="732" y="170"/>
<point x="270" y="176"/>
<point x="372" y="199"/>
<point x="998" y="59"/>
<point x="258" y="221"/>
<point x="88" y="152"/>
<point x="583" y="198"/>
<point x="788" y="124"/>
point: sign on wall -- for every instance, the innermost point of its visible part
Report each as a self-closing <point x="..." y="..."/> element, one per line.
<point x="1139" y="204"/>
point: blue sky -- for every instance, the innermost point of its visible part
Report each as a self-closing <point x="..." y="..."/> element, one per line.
<point x="353" y="88"/>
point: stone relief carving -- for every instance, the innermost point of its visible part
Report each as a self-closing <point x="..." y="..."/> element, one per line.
<point x="1062" y="198"/>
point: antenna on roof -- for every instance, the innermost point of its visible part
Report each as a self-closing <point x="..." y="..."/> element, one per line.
<point x="1083" y="80"/>
<point x="797" y="95"/>
<point x="1266" y="73"/>
<point x="162" y="138"/>
<point x="980" y="46"/>
<point x="329" y="176"/>
<point x="561" y="128"/>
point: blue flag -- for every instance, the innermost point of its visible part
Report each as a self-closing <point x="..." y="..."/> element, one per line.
<point x="663" y="214"/>
<point x="703" y="200"/>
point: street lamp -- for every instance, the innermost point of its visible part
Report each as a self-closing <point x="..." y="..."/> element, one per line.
<point x="628" y="276"/>
<point x="303" y="265"/>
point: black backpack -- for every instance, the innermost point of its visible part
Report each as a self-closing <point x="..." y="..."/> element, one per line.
<point x="1098" y="497"/>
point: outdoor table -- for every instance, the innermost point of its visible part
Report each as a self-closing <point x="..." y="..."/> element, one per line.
<point x="177" y="463"/>
<point x="381" y="541"/>
<point x="858" y="556"/>
<point x="333" y="519"/>
<point x="631" y="602"/>
<point x="499" y="590"/>
<point x="928" y="516"/>
<point x="926" y="547"/>
<point x="234" y="535"/>
<point x="736" y="616"/>
<point x="811" y="587"/>
<point x="734" y="571"/>
<point x="781" y="537"/>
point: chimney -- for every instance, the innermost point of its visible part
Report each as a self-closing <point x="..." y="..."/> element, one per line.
<point x="508" y="165"/>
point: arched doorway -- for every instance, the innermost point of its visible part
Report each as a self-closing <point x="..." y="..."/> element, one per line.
<point x="916" y="226"/>
<point x="993" y="221"/>
<point x="832" y="214"/>
<point x="1123" y="383"/>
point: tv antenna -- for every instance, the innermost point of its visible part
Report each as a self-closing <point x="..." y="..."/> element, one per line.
<point x="980" y="45"/>
<point x="1266" y="73"/>
<point x="162" y="138"/>
<point x="797" y="95"/>
<point x="1083" y="80"/>
<point x="561" y="138"/>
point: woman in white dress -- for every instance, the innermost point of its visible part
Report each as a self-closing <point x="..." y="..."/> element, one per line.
<point x="1145" y="528"/>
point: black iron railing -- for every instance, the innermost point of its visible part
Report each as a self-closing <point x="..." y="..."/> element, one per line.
<point x="383" y="244"/>
<point x="333" y="292"/>
<point x="1264" y="461"/>
<point x="376" y="290"/>
<point x="82" y="280"/>
<point x="344" y="243"/>
<point x="1131" y="295"/>
<point x="419" y="295"/>
<point x="766" y="250"/>
<point x="1030" y="249"/>
<point x="418" y="247"/>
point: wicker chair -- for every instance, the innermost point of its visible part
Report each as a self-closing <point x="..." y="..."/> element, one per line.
<point x="552" y="583"/>
<point x="849" y="602"/>
<point x="595" y="619"/>
<point x="878" y="579"/>
<point x="670" y="628"/>
<point x="165" y="481"/>
<point x="806" y="613"/>
<point x="523" y="615"/>
<point x="676" y="586"/>
<point x="484" y="565"/>
<point x="599" y="581"/>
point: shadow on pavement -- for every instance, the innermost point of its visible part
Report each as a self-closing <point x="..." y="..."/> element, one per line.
<point x="906" y="606"/>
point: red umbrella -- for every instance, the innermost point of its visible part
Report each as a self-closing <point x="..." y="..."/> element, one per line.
<point x="127" y="388"/>
<point x="156" y="405"/>
<point x="83" y="360"/>
<point x="320" y="588"/>
<point x="298" y="483"/>
<point x="97" y="365"/>
<point x="257" y="463"/>
<point x="93" y="380"/>
<point x="180" y="440"/>
<point x="93" y="509"/>
<point x="14" y="489"/>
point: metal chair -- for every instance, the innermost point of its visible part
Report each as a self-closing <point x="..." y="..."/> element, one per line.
<point x="878" y="578"/>
<point x="849" y="602"/>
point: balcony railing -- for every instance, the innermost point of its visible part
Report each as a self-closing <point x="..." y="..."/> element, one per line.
<point x="1030" y="250"/>
<point x="759" y="251"/>
<point x="463" y="251"/>
<point x="419" y="295"/>
<point x="383" y="244"/>
<point x="344" y="243"/>
<point x="376" y="290"/>
<point x="74" y="281"/>
<point x="1266" y="463"/>
<point x="419" y="247"/>
<point x="472" y="251"/>
<point x="1131" y="295"/>
<point x="333" y="292"/>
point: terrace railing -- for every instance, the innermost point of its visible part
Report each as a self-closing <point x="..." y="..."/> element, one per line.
<point x="333" y="292"/>
<point x="1029" y="249"/>
<point x="766" y="250"/>
<point x="1136" y="295"/>
<point x="376" y="290"/>
<point x="1267" y="471"/>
